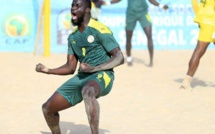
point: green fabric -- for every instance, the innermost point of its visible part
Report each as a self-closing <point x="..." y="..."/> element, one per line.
<point x="137" y="5"/>
<point x="132" y="19"/>
<point x="71" y="89"/>
<point x="92" y="45"/>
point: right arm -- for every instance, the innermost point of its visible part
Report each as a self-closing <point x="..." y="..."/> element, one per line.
<point x="68" y="68"/>
<point x="195" y="5"/>
<point x="154" y="2"/>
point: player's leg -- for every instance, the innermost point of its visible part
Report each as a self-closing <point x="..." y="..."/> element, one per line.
<point x="197" y="54"/>
<point x="131" y="21"/>
<point x="50" y="111"/>
<point x="67" y="95"/>
<point x="194" y="63"/>
<point x="148" y="32"/>
<point x="145" y="22"/>
<point x="204" y="39"/>
<point x="97" y="85"/>
<point x="128" y="46"/>
<point x="89" y="93"/>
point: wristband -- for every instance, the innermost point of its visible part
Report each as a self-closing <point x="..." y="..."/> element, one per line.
<point x="161" y="6"/>
<point x="107" y="2"/>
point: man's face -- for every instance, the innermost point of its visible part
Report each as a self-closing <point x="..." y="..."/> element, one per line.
<point x="78" y="9"/>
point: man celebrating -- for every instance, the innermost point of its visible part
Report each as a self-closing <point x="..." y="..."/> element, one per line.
<point x="93" y="45"/>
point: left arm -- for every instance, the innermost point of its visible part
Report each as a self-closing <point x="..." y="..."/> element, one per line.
<point x="110" y="2"/>
<point x="154" y="2"/>
<point x="117" y="59"/>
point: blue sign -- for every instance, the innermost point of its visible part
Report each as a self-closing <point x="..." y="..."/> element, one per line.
<point x="173" y="29"/>
<point x="18" y="23"/>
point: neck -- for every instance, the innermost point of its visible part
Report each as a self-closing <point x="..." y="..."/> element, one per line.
<point x="84" y="24"/>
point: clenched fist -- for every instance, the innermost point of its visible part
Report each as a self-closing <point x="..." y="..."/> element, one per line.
<point x="41" y="68"/>
<point x="84" y="67"/>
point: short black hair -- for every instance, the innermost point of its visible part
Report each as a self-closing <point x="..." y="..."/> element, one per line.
<point x="88" y="3"/>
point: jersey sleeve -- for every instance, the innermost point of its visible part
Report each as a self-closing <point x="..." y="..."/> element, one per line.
<point x="104" y="35"/>
<point x="108" y="41"/>
<point x="70" y="49"/>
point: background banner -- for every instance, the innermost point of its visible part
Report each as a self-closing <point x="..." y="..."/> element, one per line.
<point x="18" y="23"/>
<point x="173" y="29"/>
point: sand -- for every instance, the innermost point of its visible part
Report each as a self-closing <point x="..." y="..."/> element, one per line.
<point x="143" y="100"/>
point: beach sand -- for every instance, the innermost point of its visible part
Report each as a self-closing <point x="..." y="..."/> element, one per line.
<point x="143" y="100"/>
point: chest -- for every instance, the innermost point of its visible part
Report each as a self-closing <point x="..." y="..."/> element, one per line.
<point x="85" y="42"/>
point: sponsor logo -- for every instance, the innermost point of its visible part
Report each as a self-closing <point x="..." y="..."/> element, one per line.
<point x="99" y="76"/>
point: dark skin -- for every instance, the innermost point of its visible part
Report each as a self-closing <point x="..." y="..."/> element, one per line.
<point x="197" y="55"/>
<point x="90" y="90"/>
<point x="148" y="31"/>
<point x="194" y="63"/>
<point x="199" y="51"/>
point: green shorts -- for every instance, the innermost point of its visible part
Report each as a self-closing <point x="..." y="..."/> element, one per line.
<point x="133" y="17"/>
<point x="71" y="89"/>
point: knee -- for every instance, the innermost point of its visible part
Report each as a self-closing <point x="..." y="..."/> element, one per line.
<point x="45" y="108"/>
<point x="150" y="39"/>
<point x="88" y="92"/>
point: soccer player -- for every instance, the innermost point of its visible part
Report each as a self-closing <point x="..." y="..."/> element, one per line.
<point x="205" y="18"/>
<point x="93" y="45"/>
<point x="137" y="11"/>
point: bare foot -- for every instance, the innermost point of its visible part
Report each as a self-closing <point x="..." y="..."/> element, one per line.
<point x="186" y="84"/>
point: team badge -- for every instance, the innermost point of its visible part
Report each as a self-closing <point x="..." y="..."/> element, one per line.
<point x="90" y="39"/>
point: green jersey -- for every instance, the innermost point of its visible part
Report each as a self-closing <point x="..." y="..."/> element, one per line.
<point x="137" y="6"/>
<point x="93" y="44"/>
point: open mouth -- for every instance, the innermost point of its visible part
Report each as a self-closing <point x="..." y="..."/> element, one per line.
<point x="74" y="16"/>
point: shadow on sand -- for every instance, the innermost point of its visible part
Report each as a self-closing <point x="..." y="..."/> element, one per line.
<point x="197" y="82"/>
<point x="71" y="128"/>
<point x="140" y="61"/>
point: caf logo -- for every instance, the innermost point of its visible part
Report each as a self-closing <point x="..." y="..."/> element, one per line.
<point x="16" y="25"/>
